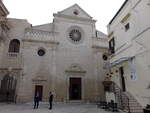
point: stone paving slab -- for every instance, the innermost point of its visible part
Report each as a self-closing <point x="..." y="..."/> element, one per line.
<point x="57" y="108"/>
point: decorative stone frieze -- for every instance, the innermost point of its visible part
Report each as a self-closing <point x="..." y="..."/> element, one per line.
<point x="34" y="35"/>
<point x="76" y="69"/>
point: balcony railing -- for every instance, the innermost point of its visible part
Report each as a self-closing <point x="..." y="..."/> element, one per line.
<point x="122" y="99"/>
<point x="12" y="55"/>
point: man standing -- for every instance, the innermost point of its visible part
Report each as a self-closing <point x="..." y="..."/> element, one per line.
<point x="50" y="100"/>
<point x="36" y="100"/>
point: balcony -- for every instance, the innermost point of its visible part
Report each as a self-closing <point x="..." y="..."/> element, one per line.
<point x="12" y="55"/>
<point x="100" y="43"/>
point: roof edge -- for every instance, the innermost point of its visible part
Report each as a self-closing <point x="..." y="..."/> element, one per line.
<point x="5" y="10"/>
<point x="122" y="6"/>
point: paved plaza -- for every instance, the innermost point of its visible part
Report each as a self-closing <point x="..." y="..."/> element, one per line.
<point x="57" y="108"/>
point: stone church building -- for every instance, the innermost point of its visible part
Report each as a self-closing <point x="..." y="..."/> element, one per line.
<point x="64" y="57"/>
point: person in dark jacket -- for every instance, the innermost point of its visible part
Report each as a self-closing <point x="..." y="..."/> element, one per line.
<point x="50" y="100"/>
<point x="36" y="100"/>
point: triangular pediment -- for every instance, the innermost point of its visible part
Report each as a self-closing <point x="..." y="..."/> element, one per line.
<point x="75" y="10"/>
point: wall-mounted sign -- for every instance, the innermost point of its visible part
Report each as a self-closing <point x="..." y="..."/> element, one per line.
<point x="133" y="69"/>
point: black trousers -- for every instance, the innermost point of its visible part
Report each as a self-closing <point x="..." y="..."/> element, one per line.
<point x="50" y="104"/>
<point x="36" y="104"/>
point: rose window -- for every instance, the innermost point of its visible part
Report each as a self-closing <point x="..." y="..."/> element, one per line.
<point x="75" y="35"/>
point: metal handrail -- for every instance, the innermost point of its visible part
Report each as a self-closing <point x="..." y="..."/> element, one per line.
<point x="123" y="99"/>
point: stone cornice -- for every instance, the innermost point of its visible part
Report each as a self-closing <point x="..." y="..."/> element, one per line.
<point x="74" y="18"/>
<point x="3" y="8"/>
<point x="12" y="69"/>
<point x="99" y="47"/>
<point x="73" y="71"/>
<point x="39" y="79"/>
<point x="36" y="80"/>
<point x="41" y="41"/>
<point x="30" y="30"/>
<point x="100" y="39"/>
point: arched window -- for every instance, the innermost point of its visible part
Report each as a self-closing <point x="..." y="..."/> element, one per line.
<point x="14" y="46"/>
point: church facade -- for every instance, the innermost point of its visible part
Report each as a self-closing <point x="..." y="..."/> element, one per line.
<point x="64" y="57"/>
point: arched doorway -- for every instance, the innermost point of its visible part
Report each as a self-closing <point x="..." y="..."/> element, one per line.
<point x="7" y="89"/>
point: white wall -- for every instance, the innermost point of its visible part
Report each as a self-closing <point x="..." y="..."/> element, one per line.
<point x="134" y="42"/>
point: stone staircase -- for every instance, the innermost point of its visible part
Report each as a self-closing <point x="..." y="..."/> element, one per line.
<point x="126" y="101"/>
<point x="135" y="107"/>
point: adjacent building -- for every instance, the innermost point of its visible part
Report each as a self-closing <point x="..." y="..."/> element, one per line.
<point x="3" y="26"/>
<point x="129" y="67"/>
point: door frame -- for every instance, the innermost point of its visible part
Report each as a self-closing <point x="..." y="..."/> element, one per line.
<point x="122" y="79"/>
<point x="42" y="91"/>
<point x="82" y="86"/>
<point x="70" y="84"/>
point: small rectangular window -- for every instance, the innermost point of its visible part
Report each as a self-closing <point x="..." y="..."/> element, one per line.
<point x="127" y="27"/>
<point x="96" y="33"/>
<point x="112" y="45"/>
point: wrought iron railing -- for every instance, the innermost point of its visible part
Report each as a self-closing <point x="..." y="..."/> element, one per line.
<point x="12" y="54"/>
<point x="122" y="98"/>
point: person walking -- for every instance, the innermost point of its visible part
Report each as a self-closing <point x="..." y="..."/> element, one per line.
<point x="36" y="100"/>
<point x="50" y="100"/>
